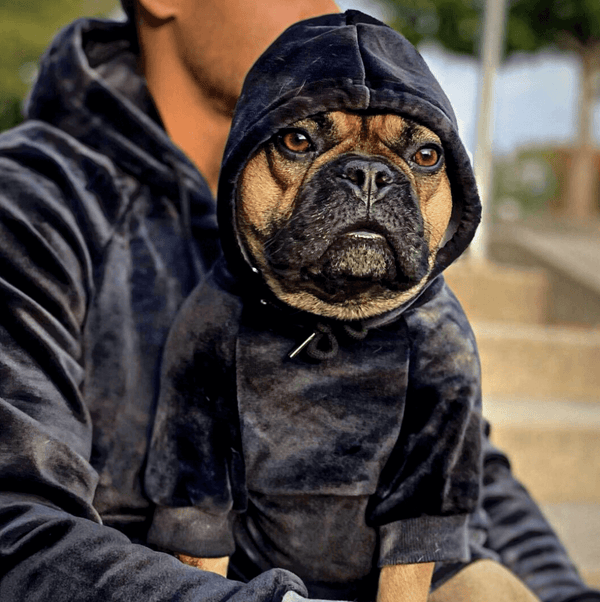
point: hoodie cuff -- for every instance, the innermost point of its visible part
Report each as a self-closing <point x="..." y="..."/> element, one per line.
<point x="424" y="539"/>
<point x="192" y="531"/>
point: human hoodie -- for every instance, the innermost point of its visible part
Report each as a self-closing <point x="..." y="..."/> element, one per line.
<point x="364" y="447"/>
<point x="105" y="227"/>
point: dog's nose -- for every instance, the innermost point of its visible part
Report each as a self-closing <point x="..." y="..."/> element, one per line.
<point x="368" y="179"/>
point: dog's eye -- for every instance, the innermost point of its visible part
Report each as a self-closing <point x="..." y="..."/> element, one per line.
<point x="295" y="141"/>
<point x="426" y="157"/>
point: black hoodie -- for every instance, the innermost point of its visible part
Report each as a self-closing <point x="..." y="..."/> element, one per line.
<point x="99" y="216"/>
<point x="364" y="449"/>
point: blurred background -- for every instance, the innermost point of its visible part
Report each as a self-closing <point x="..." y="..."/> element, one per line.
<point x="524" y="79"/>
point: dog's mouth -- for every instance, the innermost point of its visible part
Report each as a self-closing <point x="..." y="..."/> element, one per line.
<point x="357" y="261"/>
<point x="359" y="255"/>
<point x="363" y="258"/>
<point x="365" y="235"/>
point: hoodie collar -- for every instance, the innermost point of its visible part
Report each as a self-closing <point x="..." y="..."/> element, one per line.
<point x="90" y="87"/>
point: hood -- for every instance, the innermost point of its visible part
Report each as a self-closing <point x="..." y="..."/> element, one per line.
<point x="89" y="86"/>
<point x="344" y="61"/>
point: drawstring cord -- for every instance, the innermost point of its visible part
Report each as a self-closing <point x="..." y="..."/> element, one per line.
<point x="322" y="343"/>
<point x="358" y="334"/>
<point x="314" y="343"/>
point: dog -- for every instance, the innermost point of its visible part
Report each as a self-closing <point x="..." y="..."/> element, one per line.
<point x="320" y="406"/>
<point x="343" y="214"/>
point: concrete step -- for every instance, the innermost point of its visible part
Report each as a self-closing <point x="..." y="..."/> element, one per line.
<point x="500" y="292"/>
<point x="539" y="361"/>
<point x="568" y="256"/>
<point x="554" y="448"/>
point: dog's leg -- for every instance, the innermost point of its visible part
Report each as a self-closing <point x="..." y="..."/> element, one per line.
<point x="214" y="565"/>
<point x="405" y="582"/>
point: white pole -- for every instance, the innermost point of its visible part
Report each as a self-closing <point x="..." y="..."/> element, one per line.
<point x="493" y="36"/>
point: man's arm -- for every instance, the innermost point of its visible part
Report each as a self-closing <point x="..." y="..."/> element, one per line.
<point x="522" y="537"/>
<point x="52" y="544"/>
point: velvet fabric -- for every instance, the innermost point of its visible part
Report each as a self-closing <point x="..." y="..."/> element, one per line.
<point x="333" y="467"/>
<point x="105" y="227"/>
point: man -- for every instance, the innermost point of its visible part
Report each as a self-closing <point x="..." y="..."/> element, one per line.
<point x="106" y="224"/>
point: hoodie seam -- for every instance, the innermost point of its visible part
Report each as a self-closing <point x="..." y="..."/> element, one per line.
<point x="363" y="67"/>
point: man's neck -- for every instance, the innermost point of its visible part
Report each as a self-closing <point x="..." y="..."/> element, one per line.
<point x="195" y="56"/>
<point x="196" y="122"/>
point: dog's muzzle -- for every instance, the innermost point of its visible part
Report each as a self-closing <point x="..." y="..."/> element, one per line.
<point x="368" y="180"/>
<point x="356" y="224"/>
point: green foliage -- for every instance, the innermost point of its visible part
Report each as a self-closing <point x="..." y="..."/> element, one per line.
<point x="527" y="181"/>
<point x="531" y="24"/>
<point x="453" y="23"/>
<point x="10" y="112"/>
<point x="26" y="28"/>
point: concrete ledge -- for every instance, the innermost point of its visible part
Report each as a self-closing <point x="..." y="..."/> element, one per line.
<point x="570" y="260"/>
<point x="539" y="361"/>
<point x="542" y="414"/>
<point x="556" y="465"/>
<point x="574" y="254"/>
<point x="553" y="445"/>
<point x="495" y="292"/>
<point x="592" y="578"/>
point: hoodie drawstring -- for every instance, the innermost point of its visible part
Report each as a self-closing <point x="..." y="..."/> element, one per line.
<point x="322" y="344"/>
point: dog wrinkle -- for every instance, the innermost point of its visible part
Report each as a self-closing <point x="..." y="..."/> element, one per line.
<point x="263" y="194"/>
<point x="436" y="210"/>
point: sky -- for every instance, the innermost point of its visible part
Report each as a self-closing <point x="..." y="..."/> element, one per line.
<point x="536" y="95"/>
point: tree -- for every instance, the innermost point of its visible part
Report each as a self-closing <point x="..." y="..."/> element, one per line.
<point x="568" y="25"/>
<point x="26" y="28"/>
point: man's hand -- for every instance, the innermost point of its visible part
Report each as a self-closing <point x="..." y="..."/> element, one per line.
<point x="214" y="565"/>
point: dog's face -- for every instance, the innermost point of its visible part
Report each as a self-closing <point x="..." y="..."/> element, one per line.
<point x="343" y="213"/>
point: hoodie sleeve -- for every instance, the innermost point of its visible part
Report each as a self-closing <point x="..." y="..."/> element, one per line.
<point x="194" y="472"/>
<point x="522" y="537"/>
<point x="431" y="481"/>
<point x="53" y="546"/>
